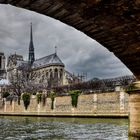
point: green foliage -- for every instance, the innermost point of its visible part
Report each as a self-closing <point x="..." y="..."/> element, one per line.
<point x="44" y="99"/>
<point x="52" y="95"/>
<point x="39" y="97"/>
<point x="74" y="97"/>
<point x="5" y="94"/>
<point x="26" y="99"/>
<point x="52" y="104"/>
<point x="74" y="92"/>
<point x="131" y="87"/>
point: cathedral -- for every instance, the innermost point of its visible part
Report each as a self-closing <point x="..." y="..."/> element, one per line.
<point x="49" y="69"/>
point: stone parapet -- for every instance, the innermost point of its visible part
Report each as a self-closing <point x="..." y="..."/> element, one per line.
<point x="95" y="104"/>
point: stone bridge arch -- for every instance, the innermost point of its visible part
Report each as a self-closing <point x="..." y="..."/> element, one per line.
<point x="113" y="23"/>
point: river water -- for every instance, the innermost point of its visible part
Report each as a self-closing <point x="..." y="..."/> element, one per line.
<point x="33" y="128"/>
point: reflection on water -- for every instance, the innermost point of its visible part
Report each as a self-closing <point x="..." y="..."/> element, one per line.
<point x="23" y="128"/>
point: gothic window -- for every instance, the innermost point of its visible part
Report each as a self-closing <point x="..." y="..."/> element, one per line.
<point x="56" y="73"/>
<point x="51" y="75"/>
<point x="61" y="73"/>
<point x="46" y="74"/>
<point x="51" y="78"/>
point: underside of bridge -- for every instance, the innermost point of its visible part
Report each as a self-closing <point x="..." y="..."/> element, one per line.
<point x="113" y="23"/>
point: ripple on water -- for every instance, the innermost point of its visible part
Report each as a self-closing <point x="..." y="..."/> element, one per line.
<point x="13" y="128"/>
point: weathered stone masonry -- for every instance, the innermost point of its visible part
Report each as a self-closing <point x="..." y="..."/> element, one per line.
<point x="104" y="104"/>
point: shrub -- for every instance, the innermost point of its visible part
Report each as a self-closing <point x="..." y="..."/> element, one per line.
<point x="26" y="99"/>
<point x="5" y="94"/>
<point x="74" y="97"/>
<point x="52" y="95"/>
<point x="130" y="88"/>
<point x="44" y="99"/>
<point x="39" y="97"/>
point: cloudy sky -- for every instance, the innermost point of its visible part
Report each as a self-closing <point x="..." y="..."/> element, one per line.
<point x="78" y="52"/>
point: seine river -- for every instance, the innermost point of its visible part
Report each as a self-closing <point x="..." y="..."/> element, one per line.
<point x="28" y="128"/>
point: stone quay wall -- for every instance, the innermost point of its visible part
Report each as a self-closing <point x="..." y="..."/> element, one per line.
<point x="95" y="104"/>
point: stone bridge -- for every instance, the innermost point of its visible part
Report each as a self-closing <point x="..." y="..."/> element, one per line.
<point x="113" y="23"/>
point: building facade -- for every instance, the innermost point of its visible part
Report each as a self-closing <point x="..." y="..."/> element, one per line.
<point x="49" y="70"/>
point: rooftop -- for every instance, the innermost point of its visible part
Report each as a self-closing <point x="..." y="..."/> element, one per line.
<point x="52" y="59"/>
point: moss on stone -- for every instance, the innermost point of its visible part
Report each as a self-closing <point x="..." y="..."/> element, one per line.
<point x="74" y="97"/>
<point x="26" y="99"/>
<point x="52" y="95"/>
<point x="39" y="97"/>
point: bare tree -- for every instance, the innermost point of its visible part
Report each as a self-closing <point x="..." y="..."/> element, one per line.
<point x="22" y="80"/>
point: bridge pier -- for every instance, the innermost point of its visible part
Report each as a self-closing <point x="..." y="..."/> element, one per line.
<point x="134" y="106"/>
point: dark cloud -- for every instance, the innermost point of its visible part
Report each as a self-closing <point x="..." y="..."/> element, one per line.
<point x="79" y="52"/>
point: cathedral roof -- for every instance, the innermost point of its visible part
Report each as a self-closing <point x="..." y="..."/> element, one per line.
<point x="21" y="64"/>
<point x="52" y="59"/>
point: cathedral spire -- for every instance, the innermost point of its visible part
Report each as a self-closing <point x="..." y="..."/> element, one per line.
<point x="31" y="33"/>
<point x="55" y="49"/>
<point x="31" y="48"/>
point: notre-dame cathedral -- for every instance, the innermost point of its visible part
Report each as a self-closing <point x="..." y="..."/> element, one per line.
<point x="49" y="69"/>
